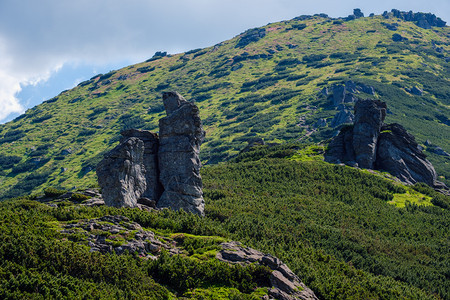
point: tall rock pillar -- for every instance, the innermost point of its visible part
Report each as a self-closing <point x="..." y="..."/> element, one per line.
<point x="369" y="117"/>
<point x="180" y="136"/>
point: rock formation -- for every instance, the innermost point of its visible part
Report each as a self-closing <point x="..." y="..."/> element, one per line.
<point x="342" y="97"/>
<point x="164" y="171"/>
<point x="181" y="134"/>
<point x="400" y="155"/>
<point x="121" y="174"/>
<point x="371" y="144"/>
<point x="120" y="235"/>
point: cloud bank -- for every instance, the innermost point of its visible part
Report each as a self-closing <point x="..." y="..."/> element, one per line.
<point x="37" y="38"/>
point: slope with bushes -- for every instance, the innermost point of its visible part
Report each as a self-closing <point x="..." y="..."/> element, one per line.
<point x="332" y="225"/>
<point x="263" y="83"/>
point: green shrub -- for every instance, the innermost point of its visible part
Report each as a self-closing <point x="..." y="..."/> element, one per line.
<point x="53" y="192"/>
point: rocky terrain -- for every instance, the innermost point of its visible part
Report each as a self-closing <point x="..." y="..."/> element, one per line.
<point x="120" y="235"/>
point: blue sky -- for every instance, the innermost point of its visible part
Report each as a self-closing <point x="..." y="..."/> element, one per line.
<point x="47" y="46"/>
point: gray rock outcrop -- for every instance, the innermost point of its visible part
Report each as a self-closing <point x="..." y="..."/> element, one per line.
<point x="163" y="171"/>
<point x="285" y="284"/>
<point x="371" y="144"/>
<point x="399" y="154"/>
<point x="343" y="116"/>
<point x="121" y="174"/>
<point x="181" y="134"/>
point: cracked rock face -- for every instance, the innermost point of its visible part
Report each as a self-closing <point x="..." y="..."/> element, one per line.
<point x="369" y="117"/>
<point x="150" y="160"/>
<point x="121" y="174"/>
<point x="285" y="284"/>
<point x="181" y="134"/>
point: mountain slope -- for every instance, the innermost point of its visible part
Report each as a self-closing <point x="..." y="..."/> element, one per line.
<point x="264" y="83"/>
<point x="330" y="224"/>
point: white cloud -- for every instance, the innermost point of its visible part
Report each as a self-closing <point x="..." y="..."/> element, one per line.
<point x="8" y="103"/>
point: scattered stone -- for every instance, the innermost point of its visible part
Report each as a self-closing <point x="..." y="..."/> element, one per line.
<point x="120" y="235"/>
<point x="93" y="202"/>
<point x="285" y="284"/>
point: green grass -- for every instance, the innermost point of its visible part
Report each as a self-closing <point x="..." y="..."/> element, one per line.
<point x="411" y="197"/>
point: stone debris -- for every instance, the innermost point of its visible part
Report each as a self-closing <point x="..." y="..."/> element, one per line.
<point x="120" y="235"/>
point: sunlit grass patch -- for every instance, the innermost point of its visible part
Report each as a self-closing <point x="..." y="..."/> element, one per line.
<point x="412" y="197"/>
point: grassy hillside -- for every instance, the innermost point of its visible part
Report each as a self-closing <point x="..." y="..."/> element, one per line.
<point x="332" y="225"/>
<point x="263" y="83"/>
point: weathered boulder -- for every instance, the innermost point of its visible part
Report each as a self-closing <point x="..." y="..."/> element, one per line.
<point x="181" y="134"/>
<point x="342" y="117"/>
<point x="399" y="154"/>
<point x="121" y="174"/>
<point x="150" y="160"/>
<point x="369" y="116"/>
<point x="338" y="94"/>
<point x="285" y="284"/>
<point x="370" y="144"/>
